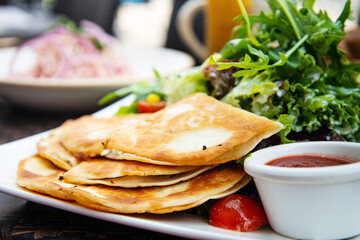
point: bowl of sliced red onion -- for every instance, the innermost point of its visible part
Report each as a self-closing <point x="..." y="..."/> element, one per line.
<point x="72" y="69"/>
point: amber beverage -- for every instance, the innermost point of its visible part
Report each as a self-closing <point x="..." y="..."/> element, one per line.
<point x="219" y="22"/>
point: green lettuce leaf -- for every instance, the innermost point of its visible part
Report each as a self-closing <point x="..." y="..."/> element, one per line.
<point x="177" y="87"/>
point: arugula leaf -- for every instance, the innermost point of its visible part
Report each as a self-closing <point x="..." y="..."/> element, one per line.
<point x="345" y="14"/>
<point x="250" y="67"/>
<point x="234" y="48"/>
<point x="308" y="3"/>
<point x="292" y="15"/>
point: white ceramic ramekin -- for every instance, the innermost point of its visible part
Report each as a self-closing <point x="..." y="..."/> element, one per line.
<point x="309" y="203"/>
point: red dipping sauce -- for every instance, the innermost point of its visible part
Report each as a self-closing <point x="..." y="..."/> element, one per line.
<point x="307" y="161"/>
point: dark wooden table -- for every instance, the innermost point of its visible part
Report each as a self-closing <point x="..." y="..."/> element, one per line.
<point x="21" y="219"/>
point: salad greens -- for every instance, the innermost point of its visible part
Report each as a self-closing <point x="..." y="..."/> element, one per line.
<point x="284" y="64"/>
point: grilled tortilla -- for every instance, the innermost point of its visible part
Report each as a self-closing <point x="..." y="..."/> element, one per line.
<point x="243" y="182"/>
<point x="198" y="130"/>
<point x="129" y="173"/>
<point x="40" y="175"/>
<point x="112" y="173"/>
<point x="133" y="181"/>
<point x="51" y="149"/>
<point x="100" y="168"/>
<point x="85" y="137"/>
<point x="140" y="200"/>
<point x="93" y="204"/>
<point x="173" y="153"/>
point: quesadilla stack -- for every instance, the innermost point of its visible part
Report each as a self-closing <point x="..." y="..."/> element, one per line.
<point x="171" y="160"/>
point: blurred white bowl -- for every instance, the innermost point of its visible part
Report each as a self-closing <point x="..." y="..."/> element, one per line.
<point x="309" y="203"/>
<point x="83" y="94"/>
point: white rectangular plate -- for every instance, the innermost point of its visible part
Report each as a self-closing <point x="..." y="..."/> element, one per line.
<point x="178" y="224"/>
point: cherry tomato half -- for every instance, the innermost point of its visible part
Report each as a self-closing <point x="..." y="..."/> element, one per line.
<point x="237" y="212"/>
<point x="145" y="107"/>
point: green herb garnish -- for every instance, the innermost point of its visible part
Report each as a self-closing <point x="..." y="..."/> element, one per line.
<point x="62" y="20"/>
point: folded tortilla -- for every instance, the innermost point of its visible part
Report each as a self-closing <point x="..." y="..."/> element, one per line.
<point x="100" y="168"/>
<point x="51" y="149"/>
<point x="121" y="173"/>
<point x="129" y="174"/>
<point x="243" y="182"/>
<point x="133" y="181"/>
<point x="198" y="130"/>
<point x="40" y="175"/>
<point x="85" y="136"/>
<point x="162" y="162"/>
<point x="169" y="198"/>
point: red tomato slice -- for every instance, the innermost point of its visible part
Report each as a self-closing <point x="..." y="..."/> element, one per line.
<point x="237" y="212"/>
<point x="145" y="107"/>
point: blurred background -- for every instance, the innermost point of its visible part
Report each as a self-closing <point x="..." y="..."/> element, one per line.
<point x="134" y="22"/>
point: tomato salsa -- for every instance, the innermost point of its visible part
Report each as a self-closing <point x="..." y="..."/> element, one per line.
<point x="306" y="161"/>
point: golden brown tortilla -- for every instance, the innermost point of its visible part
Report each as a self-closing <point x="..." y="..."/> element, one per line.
<point x="173" y="153"/>
<point x="85" y="136"/>
<point x="51" y="149"/>
<point x="243" y="182"/>
<point x="129" y="174"/>
<point x="100" y="168"/>
<point x="198" y="130"/>
<point x="133" y="181"/>
<point x="40" y="175"/>
<point x="141" y="200"/>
